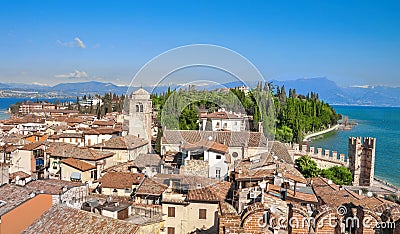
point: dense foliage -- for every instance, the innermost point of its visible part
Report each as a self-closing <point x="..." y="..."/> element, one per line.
<point x="338" y="174"/>
<point x="293" y="116"/>
<point x="307" y="166"/>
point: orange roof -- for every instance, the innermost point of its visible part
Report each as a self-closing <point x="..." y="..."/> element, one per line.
<point x="78" y="164"/>
<point x="120" y="180"/>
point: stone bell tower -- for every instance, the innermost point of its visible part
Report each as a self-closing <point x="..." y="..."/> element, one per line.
<point x="362" y="160"/>
<point x="140" y="114"/>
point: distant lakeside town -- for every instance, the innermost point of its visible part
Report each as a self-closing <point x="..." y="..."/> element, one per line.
<point x="237" y="161"/>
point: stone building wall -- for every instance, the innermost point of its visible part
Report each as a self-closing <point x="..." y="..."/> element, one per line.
<point x="362" y="160"/>
<point x="195" y="168"/>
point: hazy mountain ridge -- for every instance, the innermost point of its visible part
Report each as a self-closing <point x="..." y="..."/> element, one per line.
<point x="328" y="90"/>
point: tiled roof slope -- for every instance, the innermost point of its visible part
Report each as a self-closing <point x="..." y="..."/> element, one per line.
<point x="60" y="219"/>
<point x="51" y="186"/>
<point x="78" y="164"/>
<point x="207" y="145"/>
<point x="120" y="180"/>
<point x="66" y="150"/>
<point x="151" y="187"/>
<point x="231" y="139"/>
<point x="125" y="142"/>
<point x="12" y="196"/>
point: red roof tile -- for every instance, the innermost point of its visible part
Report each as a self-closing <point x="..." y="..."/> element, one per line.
<point x="120" y="180"/>
<point x="78" y="164"/>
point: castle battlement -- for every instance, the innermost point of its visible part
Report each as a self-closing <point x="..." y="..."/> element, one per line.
<point x="360" y="160"/>
<point x="324" y="157"/>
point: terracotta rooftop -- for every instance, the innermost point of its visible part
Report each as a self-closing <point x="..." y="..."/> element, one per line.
<point x="65" y="150"/>
<point x="231" y="139"/>
<point x="74" y="120"/>
<point x="202" y="194"/>
<point x="144" y="160"/>
<point x="122" y="167"/>
<point x="151" y="187"/>
<point x="298" y="197"/>
<point x="125" y="142"/>
<point x="207" y="145"/>
<point x="256" y="174"/>
<point x="78" y="164"/>
<point x="334" y="196"/>
<point x="20" y="174"/>
<point x="102" y="131"/>
<point x="12" y="196"/>
<point x="51" y="186"/>
<point x="61" y="219"/>
<point x="32" y="146"/>
<point x="120" y="180"/>
<point x="280" y="150"/>
<point x="70" y="135"/>
<point x="103" y="123"/>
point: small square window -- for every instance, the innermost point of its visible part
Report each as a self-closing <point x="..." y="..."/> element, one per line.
<point x="171" y="230"/>
<point x="218" y="156"/>
<point x="171" y="211"/>
<point x="202" y="214"/>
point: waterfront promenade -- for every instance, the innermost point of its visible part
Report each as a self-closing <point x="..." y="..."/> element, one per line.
<point x="307" y="137"/>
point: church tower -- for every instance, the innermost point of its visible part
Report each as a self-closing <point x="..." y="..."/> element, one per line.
<point x="140" y="114"/>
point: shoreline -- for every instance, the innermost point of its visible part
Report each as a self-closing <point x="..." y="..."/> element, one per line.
<point x="307" y="137"/>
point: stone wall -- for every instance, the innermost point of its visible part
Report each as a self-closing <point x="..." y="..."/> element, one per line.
<point x="195" y="168"/>
<point x="362" y="160"/>
<point x="324" y="158"/>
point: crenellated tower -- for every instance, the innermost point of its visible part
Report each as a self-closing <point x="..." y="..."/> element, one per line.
<point x="362" y="160"/>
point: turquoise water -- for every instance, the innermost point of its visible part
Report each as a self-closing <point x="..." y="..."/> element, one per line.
<point x="382" y="123"/>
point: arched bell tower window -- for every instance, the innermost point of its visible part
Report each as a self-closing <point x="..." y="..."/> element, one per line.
<point x="139" y="107"/>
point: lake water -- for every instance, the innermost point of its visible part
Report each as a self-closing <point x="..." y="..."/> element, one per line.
<point x="383" y="123"/>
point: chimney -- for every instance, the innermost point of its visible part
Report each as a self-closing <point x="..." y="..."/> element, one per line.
<point x="260" y="127"/>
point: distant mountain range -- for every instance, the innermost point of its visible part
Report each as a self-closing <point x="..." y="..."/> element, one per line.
<point x="331" y="93"/>
<point x="328" y="90"/>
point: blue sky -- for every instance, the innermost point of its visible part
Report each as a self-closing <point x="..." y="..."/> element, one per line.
<point x="350" y="42"/>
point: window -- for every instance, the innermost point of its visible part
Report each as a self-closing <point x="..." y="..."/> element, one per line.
<point x="218" y="156"/>
<point x="137" y="108"/>
<point x="202" y="214"/>
<point x="225" y="125"/>
<point x="235" y="154"/>
<point x="171" y="211"/>
<point x="93" y="174"/>
<point x="171" y="230"/>
<point x="141" y="107"/>
<point x="218" y="172"/>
